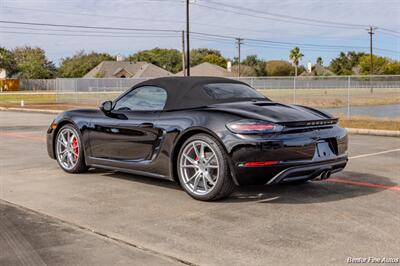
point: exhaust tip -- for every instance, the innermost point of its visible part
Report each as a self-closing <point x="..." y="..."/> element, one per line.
<point x="327" y="174"/>
<point x="324" y="175"/>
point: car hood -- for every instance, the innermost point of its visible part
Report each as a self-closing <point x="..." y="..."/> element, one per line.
<point x="272" y="111"/>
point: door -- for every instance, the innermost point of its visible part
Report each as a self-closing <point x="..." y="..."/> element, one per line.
<point x="129" y="133"/>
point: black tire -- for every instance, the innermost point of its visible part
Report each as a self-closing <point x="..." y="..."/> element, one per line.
<point x="80" y="166"/>
<point x="224" y="185"/>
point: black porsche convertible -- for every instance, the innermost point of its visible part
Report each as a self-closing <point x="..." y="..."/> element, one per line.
<point x="209" y="134"/>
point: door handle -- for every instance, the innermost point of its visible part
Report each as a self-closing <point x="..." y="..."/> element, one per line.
<point x="146" y="125"/>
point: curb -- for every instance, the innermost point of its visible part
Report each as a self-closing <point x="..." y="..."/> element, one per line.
<point x="374" y="132"/>
<point x="358" y="131"/>
<point x="43" y="111"/>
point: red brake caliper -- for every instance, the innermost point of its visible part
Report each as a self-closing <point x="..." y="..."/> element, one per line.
<point x="75" y="147"/>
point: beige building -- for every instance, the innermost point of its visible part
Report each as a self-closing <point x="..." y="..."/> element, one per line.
<point x="125" y="69"/>
<point x="207" y="69"/>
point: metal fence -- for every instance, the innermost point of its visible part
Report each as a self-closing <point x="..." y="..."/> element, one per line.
<point x="37" y="84"/>
<point x="301" y="82"/>
<point x="377" y="96"/>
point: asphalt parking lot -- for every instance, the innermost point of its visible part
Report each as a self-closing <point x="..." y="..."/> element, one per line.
<point x="103" y="217"/>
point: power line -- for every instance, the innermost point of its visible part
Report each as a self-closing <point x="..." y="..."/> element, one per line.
<point x="271" y="18"/>
<point x="296" y="19"/>
<point x="388" y="33"/>
<point x="275" y="15"/>
<point x="286" y="47"/>
<point x="90" y="35"/>
<point x="341" y="24"/>
<point x="319" y="21"/>
<point x="288" y="43"/>
<point x="319" y="48"/>
<point x="86" y="27"/>
<point x="211" y="39"/>
<point x="95" y="15"/>
<point x="134" y="18"/>
<point x="215" y="36"/>
<point x="72" y="30"/>
<point x="389" y="30"/>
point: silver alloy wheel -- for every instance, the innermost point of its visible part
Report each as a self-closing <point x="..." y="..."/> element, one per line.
<point x="67" y="148"/>
<point x="199" y="167"/>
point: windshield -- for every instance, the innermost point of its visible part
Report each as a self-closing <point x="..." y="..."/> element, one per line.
<point x="224" y="91"/>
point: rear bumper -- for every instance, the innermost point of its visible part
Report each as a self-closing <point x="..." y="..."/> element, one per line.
<point x="289" y="156"/>
<point x="287" y="172"/>
<point x="309" y="171"/>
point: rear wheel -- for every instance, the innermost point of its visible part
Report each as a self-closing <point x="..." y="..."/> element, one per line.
<point x="203" y="169"/>
<point x="69" y="150"/>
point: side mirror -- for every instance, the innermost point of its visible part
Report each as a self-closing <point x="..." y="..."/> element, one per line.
<point x="106" y="107"/>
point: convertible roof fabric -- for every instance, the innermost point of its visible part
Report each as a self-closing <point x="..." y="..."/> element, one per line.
<point x="187" y="92"/>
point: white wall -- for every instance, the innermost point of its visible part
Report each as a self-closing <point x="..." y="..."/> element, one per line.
<point x="3" y="73"/>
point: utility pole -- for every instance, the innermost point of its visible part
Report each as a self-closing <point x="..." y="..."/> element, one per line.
<point x="371" y="32"/>
<point x="239" y="42"/>
<point x="183" y="54"/>
<point x="187" y="40"/>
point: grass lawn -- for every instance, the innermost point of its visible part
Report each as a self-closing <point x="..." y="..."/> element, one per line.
<point x="370" y="123"/>
<point x="14" y="99"/>
<point x="331" y="98"/>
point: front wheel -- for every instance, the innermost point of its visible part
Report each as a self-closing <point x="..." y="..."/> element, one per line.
<point x="203" y="169"/>
<point x="69" y="150"/>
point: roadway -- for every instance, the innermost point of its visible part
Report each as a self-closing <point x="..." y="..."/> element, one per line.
<point x="100" y="217"/>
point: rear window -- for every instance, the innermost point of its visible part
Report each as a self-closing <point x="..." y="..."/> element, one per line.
<point x="221" y="91"/>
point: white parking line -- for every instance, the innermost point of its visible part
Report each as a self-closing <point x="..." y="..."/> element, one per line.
<point x="372" y="154"/>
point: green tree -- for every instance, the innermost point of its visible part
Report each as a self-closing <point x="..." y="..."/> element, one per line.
<point x="169" y="59"/>
<point x="81" y="63"/>
<point x="382" y="65"/>
<point x="245" y="71"/>
<point x="279" y="68"/>
<point x="255" y="63"/>
<point x="7" y="62"/>
<point x="320" y="61"/>
<point x="345" y="63"/>
<point x="33" y="64"/>
<point x="215" y="59"/>
<point x="295" y="56"/>
<point x="201" y="55"/>
<point x="393" y="68"/>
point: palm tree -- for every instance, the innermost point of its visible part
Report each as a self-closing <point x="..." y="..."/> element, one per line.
<point x="295" y="56"/>
<point x="319" y="61"/>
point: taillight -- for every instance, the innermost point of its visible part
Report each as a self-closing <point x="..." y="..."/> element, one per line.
<point x="259" y="164"/>
<point x="253" y="127"/>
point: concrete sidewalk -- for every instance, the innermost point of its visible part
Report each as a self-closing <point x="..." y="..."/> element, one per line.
<point x="29" y="238"/>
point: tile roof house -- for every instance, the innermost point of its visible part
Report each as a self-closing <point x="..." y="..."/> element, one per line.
<point x="207" y="69"/>
<point x="126" y="69"/>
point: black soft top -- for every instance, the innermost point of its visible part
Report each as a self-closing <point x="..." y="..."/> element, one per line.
<point x="187" y="92"/>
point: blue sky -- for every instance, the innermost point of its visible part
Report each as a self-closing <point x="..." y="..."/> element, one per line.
<point x="236" y="22"/>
